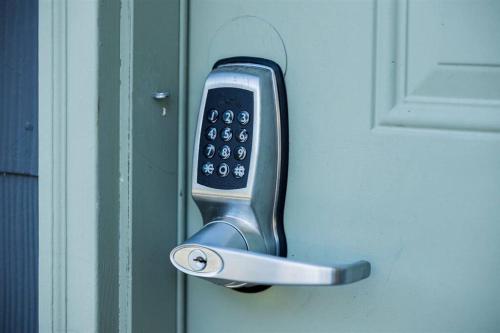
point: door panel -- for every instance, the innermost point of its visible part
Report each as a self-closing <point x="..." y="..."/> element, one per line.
<point x="393" y="159"/>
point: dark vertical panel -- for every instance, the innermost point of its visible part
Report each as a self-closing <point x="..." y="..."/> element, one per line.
<point x="109" y="170"/>
<point x="154" y="165"/>
<point x="19" y="86"/>
<point x="18" y="166"/>
<point x="18" y="253"/>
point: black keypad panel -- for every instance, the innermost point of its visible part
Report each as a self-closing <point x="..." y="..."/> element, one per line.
<point x="226" y="140"/>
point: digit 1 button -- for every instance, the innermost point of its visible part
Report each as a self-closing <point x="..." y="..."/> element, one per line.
<point x="239" y="171"/>
<point x="228" y="116"/>
<point x="209" y="150"/>
<point x="207" y="168"/>
<point x="226" y="134"/>
<point x="211" y="133"/>
<point x="243" y="117"/>
<point x="212" y="115"/>
<point x="225" y="152"/>
<point x="242" y="135"/>
<point x="223" y="170"/>
<point x="241" y="152"/>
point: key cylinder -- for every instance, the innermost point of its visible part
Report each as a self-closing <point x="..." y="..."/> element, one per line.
<point x="197" y="260"/>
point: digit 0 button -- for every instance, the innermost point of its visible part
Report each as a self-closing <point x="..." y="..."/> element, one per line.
<point x="228" y="116"/>
<point x="223" y="170"/>
<point x="225" y="152"/>
<point x="211" y="133"/>
<point x="209" y="150"/>
<point x="226" y="134"/>
<point x="243" y="117"/>
<point x="212" y="115"/>
<point x="239" y="171"/>
<point x="243" y="135"/>
<point x="241" y="153"/>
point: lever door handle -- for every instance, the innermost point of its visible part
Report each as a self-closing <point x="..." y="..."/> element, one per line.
<point x="255" y="268"/>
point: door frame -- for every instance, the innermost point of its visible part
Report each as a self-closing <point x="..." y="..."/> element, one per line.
<point x="89" y="98"/>
<point x="68" y="242"/>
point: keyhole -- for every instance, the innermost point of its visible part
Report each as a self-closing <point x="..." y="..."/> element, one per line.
<point x="200" y="259"/>
<point x="197" y="260"/>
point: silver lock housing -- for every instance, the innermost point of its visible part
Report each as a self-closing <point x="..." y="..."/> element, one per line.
<point x="256" y="211"/>
<point x="242" y="244"/>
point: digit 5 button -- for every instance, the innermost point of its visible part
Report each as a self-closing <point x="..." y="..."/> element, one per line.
<point x="226" y="134"/>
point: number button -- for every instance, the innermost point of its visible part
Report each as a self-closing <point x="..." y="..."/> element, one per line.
<point x="226" y="134"/>
<point x="212" y="115"/>
<point x="207" y="168"/>
<point x="211" y="133"/>
<point x="228" y="116"/>
<point x="225" y="152"/>
<point x="209" y="150"/>
<point x="223" y="170"/>
<point x="241" y="153"/>
<point x="243" y="117"/>
<point x="243" y="135"/>
<point x="239" y="171"/>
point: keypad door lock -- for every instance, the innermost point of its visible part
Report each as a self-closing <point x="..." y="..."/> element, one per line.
<point x="240" y="165"/>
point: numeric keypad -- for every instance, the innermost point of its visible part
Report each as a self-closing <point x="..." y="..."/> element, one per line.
<point x="226" y="144"/>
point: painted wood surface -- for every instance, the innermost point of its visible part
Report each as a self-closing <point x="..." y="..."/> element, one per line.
<point x="18" y="166"/>
<point x="68" y="185"/>
<point x="109" y="203"/>
<point x="108" y="171"/>
<point x="394" y="141"/>
<point x="152" y="162"/>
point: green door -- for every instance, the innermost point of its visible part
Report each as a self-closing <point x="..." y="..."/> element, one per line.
<point x="394" y="115"/>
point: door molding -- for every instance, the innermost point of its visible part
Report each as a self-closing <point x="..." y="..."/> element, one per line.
<point x="68" y="165"/>
<point x="112" y="179"/>
<point x="405" y="81"/>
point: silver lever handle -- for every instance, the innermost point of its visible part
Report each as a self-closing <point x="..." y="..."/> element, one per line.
<point x="256" y="268"/>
